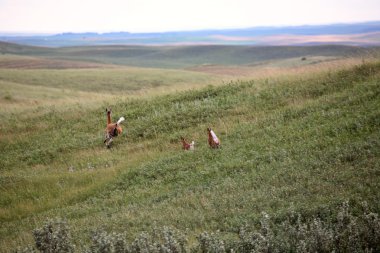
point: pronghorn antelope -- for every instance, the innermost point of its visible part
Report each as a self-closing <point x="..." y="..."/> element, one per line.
<point x="112" y="129"/>
<point x="213" y="141"/>
<point x="187" y="146"/>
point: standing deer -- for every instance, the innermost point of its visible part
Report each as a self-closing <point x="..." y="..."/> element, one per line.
<point x="213" y="140"/>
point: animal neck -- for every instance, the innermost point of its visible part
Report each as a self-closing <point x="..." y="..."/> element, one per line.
<point x="109" y="117"/>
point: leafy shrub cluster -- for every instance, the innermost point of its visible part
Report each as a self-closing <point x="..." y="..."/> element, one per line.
<point x="345" y="232"/>
<point x="165" y="240"/>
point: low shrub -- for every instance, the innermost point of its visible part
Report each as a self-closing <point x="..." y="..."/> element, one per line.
<point x="344" y="232"/>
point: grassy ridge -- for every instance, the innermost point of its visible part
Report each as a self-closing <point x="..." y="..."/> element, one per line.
<point x="177" y="57"/>
<point x="303" y="145"/>
<point x="187" y="56"/>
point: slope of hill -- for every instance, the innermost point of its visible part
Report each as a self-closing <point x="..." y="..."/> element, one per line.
<point x="305" y="145"/>
<point x="12" y="48"/>
<point x="186" y="56"/>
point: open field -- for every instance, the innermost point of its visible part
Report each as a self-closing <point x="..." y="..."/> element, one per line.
<point x="296" y="136"/>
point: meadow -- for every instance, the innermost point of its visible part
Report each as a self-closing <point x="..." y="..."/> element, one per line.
<point x="297" y="137"/>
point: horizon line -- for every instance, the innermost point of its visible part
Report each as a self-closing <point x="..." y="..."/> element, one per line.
<point x="46" y="33"/>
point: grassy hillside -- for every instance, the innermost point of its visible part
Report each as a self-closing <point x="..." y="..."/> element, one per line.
<point x="106" y="80"/>
<point x="305" y="144"/>
<point x="12" y="48"/>
<point x="28" y="83"/>
<point x="186" y="56"/>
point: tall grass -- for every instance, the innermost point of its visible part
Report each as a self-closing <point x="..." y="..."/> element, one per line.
<point x="306" y="145"/>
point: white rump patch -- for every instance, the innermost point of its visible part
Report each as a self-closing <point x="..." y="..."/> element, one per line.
<point x="120" y="120"/>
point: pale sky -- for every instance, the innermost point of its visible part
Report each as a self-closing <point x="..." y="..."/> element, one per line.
<point x="56" y="16"/>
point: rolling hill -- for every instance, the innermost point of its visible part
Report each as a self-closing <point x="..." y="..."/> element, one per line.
<point x="178" y="57"/>
<point x="359" y="34"/>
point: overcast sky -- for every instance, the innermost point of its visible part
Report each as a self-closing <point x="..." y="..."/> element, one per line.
<point x="55" y="16"/>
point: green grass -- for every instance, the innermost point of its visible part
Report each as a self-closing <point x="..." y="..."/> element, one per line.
<point x="179" y="57"/>
<point x="105" y="80"/>
<point x="304" y="145"/>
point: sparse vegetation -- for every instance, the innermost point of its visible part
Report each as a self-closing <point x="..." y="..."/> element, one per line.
<point x="300" y="145"/>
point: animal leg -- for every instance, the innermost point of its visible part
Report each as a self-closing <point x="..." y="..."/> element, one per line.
<point x="109" y="142"/>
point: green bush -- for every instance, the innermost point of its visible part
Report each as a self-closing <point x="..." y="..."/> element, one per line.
<point x="54" y="236"/>
<point x="345" y="232"/>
